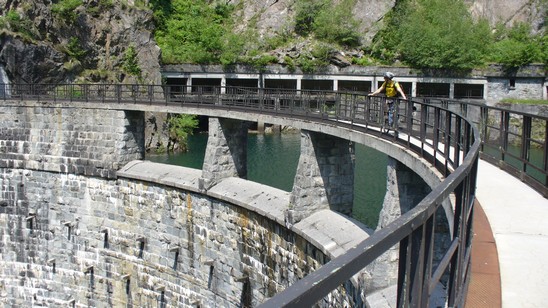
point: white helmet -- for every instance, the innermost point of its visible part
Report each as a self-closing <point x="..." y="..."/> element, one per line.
<point x="389" y="75"/>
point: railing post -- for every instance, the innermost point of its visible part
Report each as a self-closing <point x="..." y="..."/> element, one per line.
<point x="457" y="142"/>
<point x="525" y="142"/>
<point x="71" y="86"/>
<point x="504" y="124"/>
<point x="545" y="155"/>
<point x="484" y="117"/>
<point x="447" y="142"/>
<point x="404" y="273"/>
<point x="118" y="93"/>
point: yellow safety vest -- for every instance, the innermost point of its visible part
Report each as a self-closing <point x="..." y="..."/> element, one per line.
<point x="390" y="88"/>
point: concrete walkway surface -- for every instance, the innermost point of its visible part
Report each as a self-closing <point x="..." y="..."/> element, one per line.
<point x="518" y="218"/>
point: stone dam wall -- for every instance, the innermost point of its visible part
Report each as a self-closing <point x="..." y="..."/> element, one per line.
<point x="108" y="243"/>
<point x="77" y="228"/>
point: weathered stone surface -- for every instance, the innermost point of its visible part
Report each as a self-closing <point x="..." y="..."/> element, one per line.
<point x="404" y="189"/>
<point x="91" y="142"/>
<point x="84" y="243"/>
<point x="103" y="35"/>
<point x="324" y="178"/>
<point x="226" y="151"/>
<point x="510" y="12"/>
<point x="76" y="235"/>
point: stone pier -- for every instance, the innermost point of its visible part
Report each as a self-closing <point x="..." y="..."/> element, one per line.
<point x="404" y="188"/>
<point x="324" y="178"/>
<point x="226" y="151"/>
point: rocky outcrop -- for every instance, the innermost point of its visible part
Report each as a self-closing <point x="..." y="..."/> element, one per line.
<point x="44" y="46"/>
<point x="37" y="49"/>
<point x="31" y="63"/>
<point x="510" y="12"/>
<point x="277" y="16"/>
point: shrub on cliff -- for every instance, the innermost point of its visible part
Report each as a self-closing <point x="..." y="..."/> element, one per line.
<point x="433" y="34"/>
<point x="191" y="31"/>
<point x="180" y="127"/>
<point x="66" y="9"/>
<point x="516" y="46"/>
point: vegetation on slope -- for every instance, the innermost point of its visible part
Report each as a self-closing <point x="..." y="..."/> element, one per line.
<point x="422" y="34"/>
<point x="418" y="33"/>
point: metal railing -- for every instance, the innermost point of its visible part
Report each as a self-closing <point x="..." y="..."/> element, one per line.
<point x="515" y="141"/>
<point x="443" y="137"/>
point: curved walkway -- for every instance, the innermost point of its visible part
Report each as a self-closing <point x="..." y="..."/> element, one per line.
<point x="518" y="218"/>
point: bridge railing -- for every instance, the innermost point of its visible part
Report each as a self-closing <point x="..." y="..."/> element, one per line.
<point x="441" y="136"/>
<point x="515" y="141"/>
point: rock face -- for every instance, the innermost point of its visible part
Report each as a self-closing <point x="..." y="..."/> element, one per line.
<point x="37" y="48"/>
<point x="509" y="12"/>
<point x="52" y="47"/>
<point x="275" y="16"/>
<point x="36" y="63"/>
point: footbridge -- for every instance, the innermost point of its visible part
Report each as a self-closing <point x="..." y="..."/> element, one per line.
<point x="74" y="133"/>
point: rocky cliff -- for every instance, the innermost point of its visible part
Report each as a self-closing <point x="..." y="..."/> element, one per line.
<point x="274" y="16"/>
<point x="66" y="41"/>
<point x="42" y="41"/>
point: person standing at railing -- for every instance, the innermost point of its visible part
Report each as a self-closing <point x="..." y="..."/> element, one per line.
<point x="391" y="89"/>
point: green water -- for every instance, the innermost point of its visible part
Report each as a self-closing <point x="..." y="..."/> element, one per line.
<point x="272" y="160"/>
<point x="536" y="158"/>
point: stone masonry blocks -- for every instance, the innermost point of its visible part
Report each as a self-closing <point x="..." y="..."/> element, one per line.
<point x="105" y="243"/>
<point x="324" y="178"/>
<point x="91" y="142"/>
<point x="226" y="151"/>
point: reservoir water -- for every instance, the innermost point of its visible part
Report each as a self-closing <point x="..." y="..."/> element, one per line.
<point x="272" y="160"/>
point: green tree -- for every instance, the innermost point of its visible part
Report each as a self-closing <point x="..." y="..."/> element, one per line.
<point x="306" y="14"/>
<point x="423" y="34"/>
<point x="516" y="46"/>
<point x="19" y="24"/>
<point x="130" y="62"/>
<point x="332" y="23"/>
<point x="66" y="9"/>
<point x="181" y="127"/>
<point x="74" y="49"/>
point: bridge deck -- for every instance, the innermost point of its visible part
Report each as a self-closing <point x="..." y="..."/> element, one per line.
<point x="517" y="216"/>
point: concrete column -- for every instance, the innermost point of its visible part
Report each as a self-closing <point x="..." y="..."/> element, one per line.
<point x="226" y="151"/>
<point x="404" y="189"/>
<point x="375" y="83"/>
<point x="260" y="127"/>
<point x="324" y="178"/>
<point x="223" y="85"/>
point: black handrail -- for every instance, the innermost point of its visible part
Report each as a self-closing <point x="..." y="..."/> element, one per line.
<point x="515" y="141"/>
<point x="444" y="138"/>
